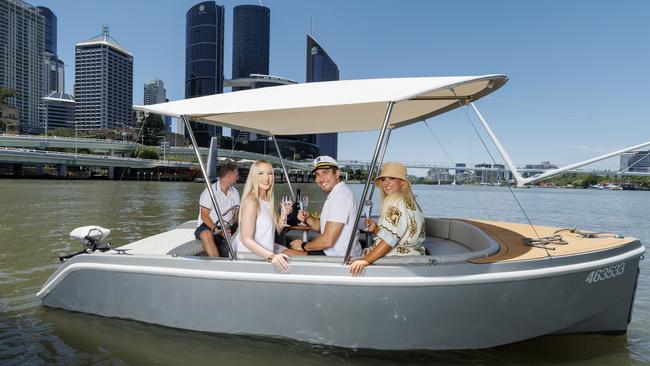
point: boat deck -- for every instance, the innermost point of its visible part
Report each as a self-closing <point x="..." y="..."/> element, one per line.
<point x="448" y="240"/>
<point x="510" y="237"/>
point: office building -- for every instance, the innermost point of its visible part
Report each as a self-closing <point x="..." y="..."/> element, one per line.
<point x="250" y="51"/>
<point x="204" y="59"/>
<point x="250" y="41"/>
<point x="103" y="88"/>
<point x="155" y="92"/>
<point x="53" y="68"/>
<point x="58" y="111"/>
<point x="635" y="161"/>
<point x="22" y="47"/>
<point x="320" y="67"/>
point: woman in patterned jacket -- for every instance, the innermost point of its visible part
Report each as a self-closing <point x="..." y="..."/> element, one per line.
<point x="400" y="230"/>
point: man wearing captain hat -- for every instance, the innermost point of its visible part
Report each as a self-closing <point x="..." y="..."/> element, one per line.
<point x="337" y="216"/>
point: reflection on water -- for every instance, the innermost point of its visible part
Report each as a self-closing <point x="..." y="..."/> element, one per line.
<point x="37" y="216"/>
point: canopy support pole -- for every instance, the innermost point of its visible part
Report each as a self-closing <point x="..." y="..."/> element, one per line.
<point x="502" y="151"/>
<point x="222" y="223"/>
<point x="381" y="162"/>
<point x="380" y="139"/>
<point x="284" y="169"/>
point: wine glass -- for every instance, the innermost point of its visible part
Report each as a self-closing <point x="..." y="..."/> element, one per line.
<point x="368" y="208"/>
<point x="303" y="203"/>
<point x="286" y="203"/>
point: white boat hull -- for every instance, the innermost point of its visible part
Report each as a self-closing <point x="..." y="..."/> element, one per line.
<point x="435" y="306"/>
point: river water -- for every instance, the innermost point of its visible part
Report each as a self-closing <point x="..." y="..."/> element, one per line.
<point x="36" y="217"/>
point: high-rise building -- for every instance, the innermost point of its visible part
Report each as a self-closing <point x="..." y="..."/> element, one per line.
<point x="53" y="72"/>
<point x="103" y="87"/>
<point x="155" y="92"/>
<point x="250" y="41"/>
<point x="320" y="67"/>
<point x="204" y="59"/>
<point x="21" y="59"/>
<point x="58" y="111"/>
<point x="250" y="49"/>
<point x="635" y="161"/>
<point x="50" y="28"/>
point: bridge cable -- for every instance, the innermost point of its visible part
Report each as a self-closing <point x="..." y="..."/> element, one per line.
<point x="464" y="108"/>
<point x="452" y="161"/>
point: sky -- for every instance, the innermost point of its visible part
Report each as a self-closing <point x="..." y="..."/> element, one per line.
<point x="578" y="70"/>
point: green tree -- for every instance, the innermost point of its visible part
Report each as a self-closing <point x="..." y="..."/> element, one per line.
<point x="147" y="152"/>
<point x="6" y="93"/>
<point x="152" y="128"/>
<point x="61" y="132"/>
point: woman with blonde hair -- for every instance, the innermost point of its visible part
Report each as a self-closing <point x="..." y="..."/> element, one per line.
<point x="258" y="220"/>
<point x="400" y="230"/>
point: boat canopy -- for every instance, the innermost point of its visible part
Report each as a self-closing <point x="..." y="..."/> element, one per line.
<point x="332" y="106"/>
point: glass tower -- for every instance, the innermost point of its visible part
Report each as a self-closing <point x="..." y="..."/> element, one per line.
<point x="53" y="68"/>
<point x="320" y="67"/>
<point x="250" y="41"/>
<point x="204" y="59"/>
<point x="21" y="59"/>
<point x="250" y="48"/>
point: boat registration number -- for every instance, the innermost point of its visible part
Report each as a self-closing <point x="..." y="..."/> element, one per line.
<point x="606" y="273"/>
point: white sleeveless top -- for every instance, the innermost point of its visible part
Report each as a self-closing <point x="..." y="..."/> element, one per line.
<point x="264" y="229"/>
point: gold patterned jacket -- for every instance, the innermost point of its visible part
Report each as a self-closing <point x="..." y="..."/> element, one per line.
<point x="401" y="226"/>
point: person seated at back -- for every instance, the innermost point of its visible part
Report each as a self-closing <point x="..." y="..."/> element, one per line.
<point x="337" y="216"/>
<point x="208" y="229"/>
<point x="401" y="224"/>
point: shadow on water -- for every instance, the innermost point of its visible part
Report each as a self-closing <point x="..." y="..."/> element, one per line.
<point x="54" y="336"/>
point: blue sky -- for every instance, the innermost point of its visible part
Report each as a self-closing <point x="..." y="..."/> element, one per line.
<point x="578" y="69"/>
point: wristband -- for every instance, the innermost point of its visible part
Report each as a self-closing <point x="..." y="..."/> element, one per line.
<point x="302" y="246"/>
<point x="270" y="258"/>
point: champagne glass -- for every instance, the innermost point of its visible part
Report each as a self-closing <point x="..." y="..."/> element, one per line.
<point x="286" y="203"/>
<point x="368" y="208"/>
<point x="303" y="203"/>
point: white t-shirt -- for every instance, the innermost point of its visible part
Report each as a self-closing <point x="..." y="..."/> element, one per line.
<point x="224" y="201"/>
<point x="264" y="230"/>
<point x="341" y="207"/>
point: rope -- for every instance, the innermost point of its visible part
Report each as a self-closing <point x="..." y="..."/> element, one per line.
<point x="544" y="241"/>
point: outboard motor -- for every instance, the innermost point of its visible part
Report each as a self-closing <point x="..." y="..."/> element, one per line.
<point x="91" y="237"/>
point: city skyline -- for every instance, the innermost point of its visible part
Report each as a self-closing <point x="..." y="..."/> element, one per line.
<point x="566" y="62"/>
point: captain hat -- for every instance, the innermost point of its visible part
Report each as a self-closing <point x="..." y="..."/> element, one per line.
<point x="323" y="162"/>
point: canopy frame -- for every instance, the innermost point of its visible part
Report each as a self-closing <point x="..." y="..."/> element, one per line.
<point x="375" y="155"/>
<point x="222" y="223"/>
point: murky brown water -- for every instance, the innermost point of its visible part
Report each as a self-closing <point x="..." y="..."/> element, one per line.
<point x="36" y="217"/>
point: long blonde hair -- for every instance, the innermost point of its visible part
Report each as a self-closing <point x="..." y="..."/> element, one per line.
<point x="404" y="193"/>
<point x="252" y="187"/>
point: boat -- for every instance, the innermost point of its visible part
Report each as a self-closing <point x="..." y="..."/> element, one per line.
<point x="482" y="283"/>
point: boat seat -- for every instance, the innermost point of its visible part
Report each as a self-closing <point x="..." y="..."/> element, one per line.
<point x="451" y="240"/>
<point x="187" y="249"/>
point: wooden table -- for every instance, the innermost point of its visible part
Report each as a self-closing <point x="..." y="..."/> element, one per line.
<point x="304" y="230"/>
